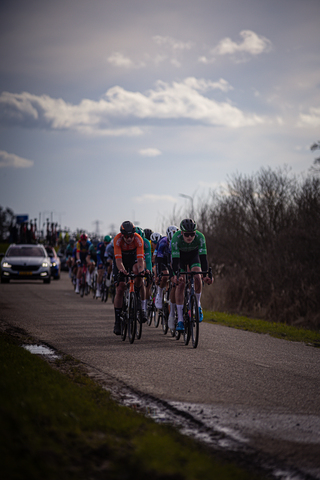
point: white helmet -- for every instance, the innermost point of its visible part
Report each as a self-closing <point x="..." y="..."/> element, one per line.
<point x="155" y="237"/>
<point x="171" y="231"/>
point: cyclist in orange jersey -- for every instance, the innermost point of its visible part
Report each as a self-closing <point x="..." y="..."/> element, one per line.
<point x="128" y="255"/>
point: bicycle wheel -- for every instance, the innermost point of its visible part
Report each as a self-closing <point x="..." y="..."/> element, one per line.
<point x="139" y="324"/>
<point x="132" y="323"/>
<point x="123" y="325"/>
<point x="82" y="285"/>
<point x="106" y="293"/>
<point x="165" y="319"/>
<point x="94" y="287"/>
<point x="186" y="321"/>
<point x="194" y="321"/>
<point x="157" y="318"/>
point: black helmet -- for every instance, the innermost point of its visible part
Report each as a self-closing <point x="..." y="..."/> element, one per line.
<point x="127" y="228"/>
<point x="147" y="233"/>
<point x="188" y="225"/>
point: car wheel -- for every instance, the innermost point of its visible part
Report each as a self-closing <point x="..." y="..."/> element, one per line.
<point x="5" y="280"/>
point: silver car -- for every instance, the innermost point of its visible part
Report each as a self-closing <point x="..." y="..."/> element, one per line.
<point x="27" y="262"/>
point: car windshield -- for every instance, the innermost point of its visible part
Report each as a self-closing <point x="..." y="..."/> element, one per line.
<point x="25" y="252"/>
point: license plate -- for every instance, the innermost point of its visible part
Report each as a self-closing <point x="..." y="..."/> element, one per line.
<point x="25" y="273"/>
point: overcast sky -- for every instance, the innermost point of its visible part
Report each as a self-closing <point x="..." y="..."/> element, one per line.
<point x="109" y="109"/>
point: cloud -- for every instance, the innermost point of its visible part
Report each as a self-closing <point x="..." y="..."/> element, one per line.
<point x="252" y="44"/>
<point x="150" y="152"/>
<point x="182" y="102"/>
<point x="311" y="119"/>
<point x="13" y="161"/>
<point x="150" y="197"/>
<point x="172" y="43"/>
<point x="120" y="60"/>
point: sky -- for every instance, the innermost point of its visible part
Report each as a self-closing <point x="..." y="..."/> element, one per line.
<point x="114" y="110"/>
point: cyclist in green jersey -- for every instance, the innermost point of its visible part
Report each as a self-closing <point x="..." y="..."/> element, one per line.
<point x="189" y="252"/>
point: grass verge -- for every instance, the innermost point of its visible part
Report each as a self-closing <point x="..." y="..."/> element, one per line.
<point x="64" y="426"/>
<point x="278" y="330"/>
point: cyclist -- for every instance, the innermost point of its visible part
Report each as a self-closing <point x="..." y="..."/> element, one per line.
<point x="101" y="262"/>
<point x="93" y="259"/>
<point x="69" y="256"/>
<point x="82" y="256"/>
<point x="155" y="237"/>
<point x="145" y="289"/>
<point x="189" y="251"/>
<point x="163" y="262"/>
<point x="128" y="255"/>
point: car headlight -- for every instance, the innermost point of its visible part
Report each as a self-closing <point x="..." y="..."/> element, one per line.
<point x="53" y="264"/>
<point x="6" y="265"/>
<point x="45" y="264"/>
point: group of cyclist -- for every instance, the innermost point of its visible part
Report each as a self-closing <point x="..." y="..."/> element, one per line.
<point x="148" y="255"/>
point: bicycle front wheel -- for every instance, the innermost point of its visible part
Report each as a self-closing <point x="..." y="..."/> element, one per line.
<point x="132" y="323"/>
<point x="139" y="324"/>
<point x="194" y="321"/>
<point x="124" y="320"/>
<point x="165" y="319"/>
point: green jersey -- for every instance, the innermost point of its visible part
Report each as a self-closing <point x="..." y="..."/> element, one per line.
<point x="179" y="245"/>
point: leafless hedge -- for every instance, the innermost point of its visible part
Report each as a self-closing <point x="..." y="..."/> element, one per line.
<point x="263" y="239"/>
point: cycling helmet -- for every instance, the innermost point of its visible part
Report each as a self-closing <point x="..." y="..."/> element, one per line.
<point x="83" y="237"/>
<point x="155" y="237"/>
<point x="107" y="239"/>
<point x="171" y="231"/>
<point x="188" y="225"/>
<point x="71" y="241"/>
<point x="127" y="228"/>
<point x="140" y="232"/>
<point x="148" y="232"/>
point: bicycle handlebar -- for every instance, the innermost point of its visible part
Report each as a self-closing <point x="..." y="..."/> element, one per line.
<point x="192" y="273"/>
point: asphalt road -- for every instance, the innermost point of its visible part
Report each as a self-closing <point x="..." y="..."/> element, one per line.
<point x="265" y="390"/>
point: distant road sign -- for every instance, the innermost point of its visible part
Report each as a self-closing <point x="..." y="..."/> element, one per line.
<point x="22" y="218"/>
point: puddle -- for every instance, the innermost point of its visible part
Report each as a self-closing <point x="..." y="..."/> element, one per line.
<point x="41" y="350"/>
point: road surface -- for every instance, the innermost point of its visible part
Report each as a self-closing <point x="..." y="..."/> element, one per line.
<point x="251" y="390"/>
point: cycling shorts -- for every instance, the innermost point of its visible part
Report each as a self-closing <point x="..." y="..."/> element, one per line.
<point x="128" y="260"/>
<point x="189" y="259"/>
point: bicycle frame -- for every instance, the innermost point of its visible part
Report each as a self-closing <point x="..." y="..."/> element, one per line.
<point x="190" y="308"/>
<point x="129" y="309"/>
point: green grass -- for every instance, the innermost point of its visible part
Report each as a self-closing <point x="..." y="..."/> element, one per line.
<point x="58" y="425"/>
<point x="278" y="330"/>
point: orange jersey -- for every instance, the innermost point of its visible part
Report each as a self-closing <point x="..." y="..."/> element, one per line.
<point x="120" y="246"/>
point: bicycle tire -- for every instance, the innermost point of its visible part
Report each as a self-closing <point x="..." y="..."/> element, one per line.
<point x="157" y="318"/>
<point x="150" y="314"/>
<point x="123" y="326"/>
<point x="165" y="319"/>
<point x="106" y="293"/>
<point x="82" y="285"/>
<point x="194" y="321"/>
<point x="132" y="320"/>
<point x="187" y="328"/>
<point x="139" y="324"/>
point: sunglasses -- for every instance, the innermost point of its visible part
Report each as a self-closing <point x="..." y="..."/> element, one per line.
<point x="128" y="235"/>
<point x="191" y="234"/>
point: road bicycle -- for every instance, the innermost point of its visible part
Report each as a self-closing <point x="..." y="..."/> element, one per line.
<point x="128" y="317"/>
<point x="94" y="277"/>
<point x="83" y="285"/>
<point x="191" y="309"/>
<point x="151" y="308"/>
<point x="163" y="313"/>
